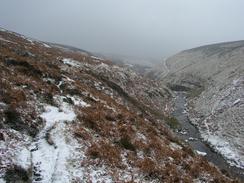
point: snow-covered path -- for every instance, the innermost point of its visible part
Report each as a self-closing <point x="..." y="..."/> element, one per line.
<point x="50" y="150"/>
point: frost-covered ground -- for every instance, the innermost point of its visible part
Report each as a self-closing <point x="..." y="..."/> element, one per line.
<point x="54" y="155"/>
<point x="223" y="126"/>
<point x="214" y="73"/>
<point x="50" y="152"/>
<point x="69" y="117"/>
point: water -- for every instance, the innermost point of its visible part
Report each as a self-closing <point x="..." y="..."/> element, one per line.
<point x="191" y="134"/>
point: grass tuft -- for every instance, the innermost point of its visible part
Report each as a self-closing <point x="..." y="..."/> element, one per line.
<point x="173" y="122"/>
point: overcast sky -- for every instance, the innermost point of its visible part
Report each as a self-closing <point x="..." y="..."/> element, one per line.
<point x="140" y="28"/>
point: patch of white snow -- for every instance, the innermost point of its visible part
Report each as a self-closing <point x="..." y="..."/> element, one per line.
<point x="46" y="45"/>
<point x="201" y="153"/>
<point x="23" y="158"/>
<point x="175" y="146"/>
<point x="78" y="102"/>
<point x="236" y="101"/>
<point x="71" y="62"/>
<point x="225" y="149"/>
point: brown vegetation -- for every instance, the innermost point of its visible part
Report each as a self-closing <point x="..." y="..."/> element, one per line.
<point x="105" y="151"/>
<point x="114" y="126"/>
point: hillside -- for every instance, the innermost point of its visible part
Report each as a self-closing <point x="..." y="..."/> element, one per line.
<point x="69" y="117"/>
<point x="213" y="78"/>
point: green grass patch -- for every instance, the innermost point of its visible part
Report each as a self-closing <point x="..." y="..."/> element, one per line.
<point x="173" y="122"/>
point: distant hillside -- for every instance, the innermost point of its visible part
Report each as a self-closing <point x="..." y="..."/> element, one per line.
<point x="70" y="48"/>
<point x="213" y="77"/>
<point x="208" y="62"/>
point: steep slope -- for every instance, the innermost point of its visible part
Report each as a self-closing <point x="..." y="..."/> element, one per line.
<point x="213" y="77"/>
<point x="68" y="117"/>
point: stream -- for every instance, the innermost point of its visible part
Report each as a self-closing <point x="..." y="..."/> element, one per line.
<point x="190" y="134"/>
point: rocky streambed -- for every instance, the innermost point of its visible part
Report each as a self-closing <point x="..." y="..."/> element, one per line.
<point x="187" y="132"/>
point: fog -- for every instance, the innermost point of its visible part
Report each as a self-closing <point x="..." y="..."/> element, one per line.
<point x="145" y="29"/>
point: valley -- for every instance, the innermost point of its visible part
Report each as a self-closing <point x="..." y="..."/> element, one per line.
<point x="190" y="134"/>
<point x="211" y="78"/>
<point x="68" y="116"/>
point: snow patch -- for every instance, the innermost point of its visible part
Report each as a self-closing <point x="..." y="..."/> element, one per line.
<point x="53" y="114"/>
<point x="79" y="102"/>
<point x="56" y="154"/>
<point x="100" y="175"/>
<point x="67" y="78"/>
<point x="27" y="39"/>
<point x="10" y="148"/>
<point x="23" y="158"/>
<point x="103" y="67"/>
<point x="97" y="58"/>
<point x="236" y="101"/>
<point x="46" y="45"/>
<point x="71" y="62"/>
<point x="174" y="146"/>
<point x="192" y="139"/>
<point x="225" y="149"/>
<point x="141" y="137"/>
<point x="201" y="153"/>
<point x="2" y="104"/>
<point x="49" y="160"/>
